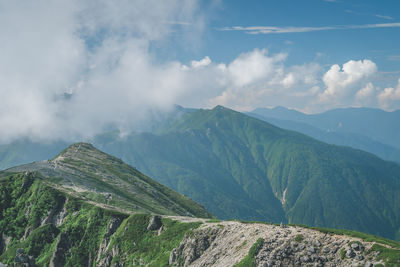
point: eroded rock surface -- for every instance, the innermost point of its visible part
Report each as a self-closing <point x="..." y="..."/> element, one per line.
<point x="226" y="243"/>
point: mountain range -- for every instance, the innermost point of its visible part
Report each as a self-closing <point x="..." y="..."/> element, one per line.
<point x="88" y="208"/>
<point x="372" y="130"/>
<point x="239" y="167"/>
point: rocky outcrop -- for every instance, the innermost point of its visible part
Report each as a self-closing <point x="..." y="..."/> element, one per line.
<point x="23" y="260"/>
<point x="104" y="258"/>
<point x="56" y="215"/>
<point x="227" y="243"/>
<point x="193" y="246"/>
<point x="62" y="246"/>
<point x="155" y="223"/>
<point x="4" y="241"/>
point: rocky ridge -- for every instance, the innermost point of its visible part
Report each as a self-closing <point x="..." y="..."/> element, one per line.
<point x="226" y="243"/>
<point x="101" y="179"/>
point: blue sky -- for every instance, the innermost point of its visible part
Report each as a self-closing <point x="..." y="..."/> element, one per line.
<point x="327" y="46"/>
<point x="69" y="68"/>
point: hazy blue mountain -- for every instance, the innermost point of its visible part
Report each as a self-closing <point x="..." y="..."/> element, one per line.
<point x="25" y="151"/>
<point x="354" y="140"/>
<point x="377" y="124"/>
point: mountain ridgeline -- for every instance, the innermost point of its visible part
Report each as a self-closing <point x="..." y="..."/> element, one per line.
<point x="237" y="167"/>
<point x="43" y="225"/>
<point x="89" y="174"/>
<point x="241" y="167"/>
<point x="372" y="130"/>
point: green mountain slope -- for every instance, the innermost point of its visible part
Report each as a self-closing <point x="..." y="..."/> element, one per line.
<point x="85" y="172"/>
<point x="238" y="166"/>
<point x="41" y="225"/>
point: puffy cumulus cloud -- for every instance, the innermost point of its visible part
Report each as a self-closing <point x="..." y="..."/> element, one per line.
<point x="389" y="97"/>
<point x="70" y="68"/>
<point x="342" y="83"/>
<point x="259" y="79"/>
<point x="252" y="67"/>
<point x="304" y="74"/>
<point x="366" y="95"/>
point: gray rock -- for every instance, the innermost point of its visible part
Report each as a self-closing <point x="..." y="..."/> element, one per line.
<point x="350" y="253"/>
<point x="3" y="265"/>
<point x="105" y="261"/>
<point x="311" y="249"/>
<point x="62" y="246"/>
<point x="327" y="250"/>
<point x="368" y="264"/>
<point x="113" y="226"/>
<point x="305" y="259"/>
<point x="360" y="257"/>
<point x="355" y="246"/>
<point x="155" y="223"/>
<point x="21" y="259"/>
<point x="173" y="257"/>
<point x="194" y="245"/>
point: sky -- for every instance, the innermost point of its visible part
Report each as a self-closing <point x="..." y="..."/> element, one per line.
<point x="69" y="69"/>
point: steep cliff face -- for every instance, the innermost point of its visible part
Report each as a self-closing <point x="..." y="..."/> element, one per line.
<point x="42" y="226"/>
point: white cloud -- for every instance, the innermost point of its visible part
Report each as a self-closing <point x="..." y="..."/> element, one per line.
<point x="384" y="17"/>
<point x="342" y="83"/>
<point x="296" y="29"/>
<point x="366" y="95"/>
<point x="258" y="79"/>
<point x="201" y="63"/>
<point x="70" y="68"/>
<point x="389" y="98"/>
<point x="252" y="67"/>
